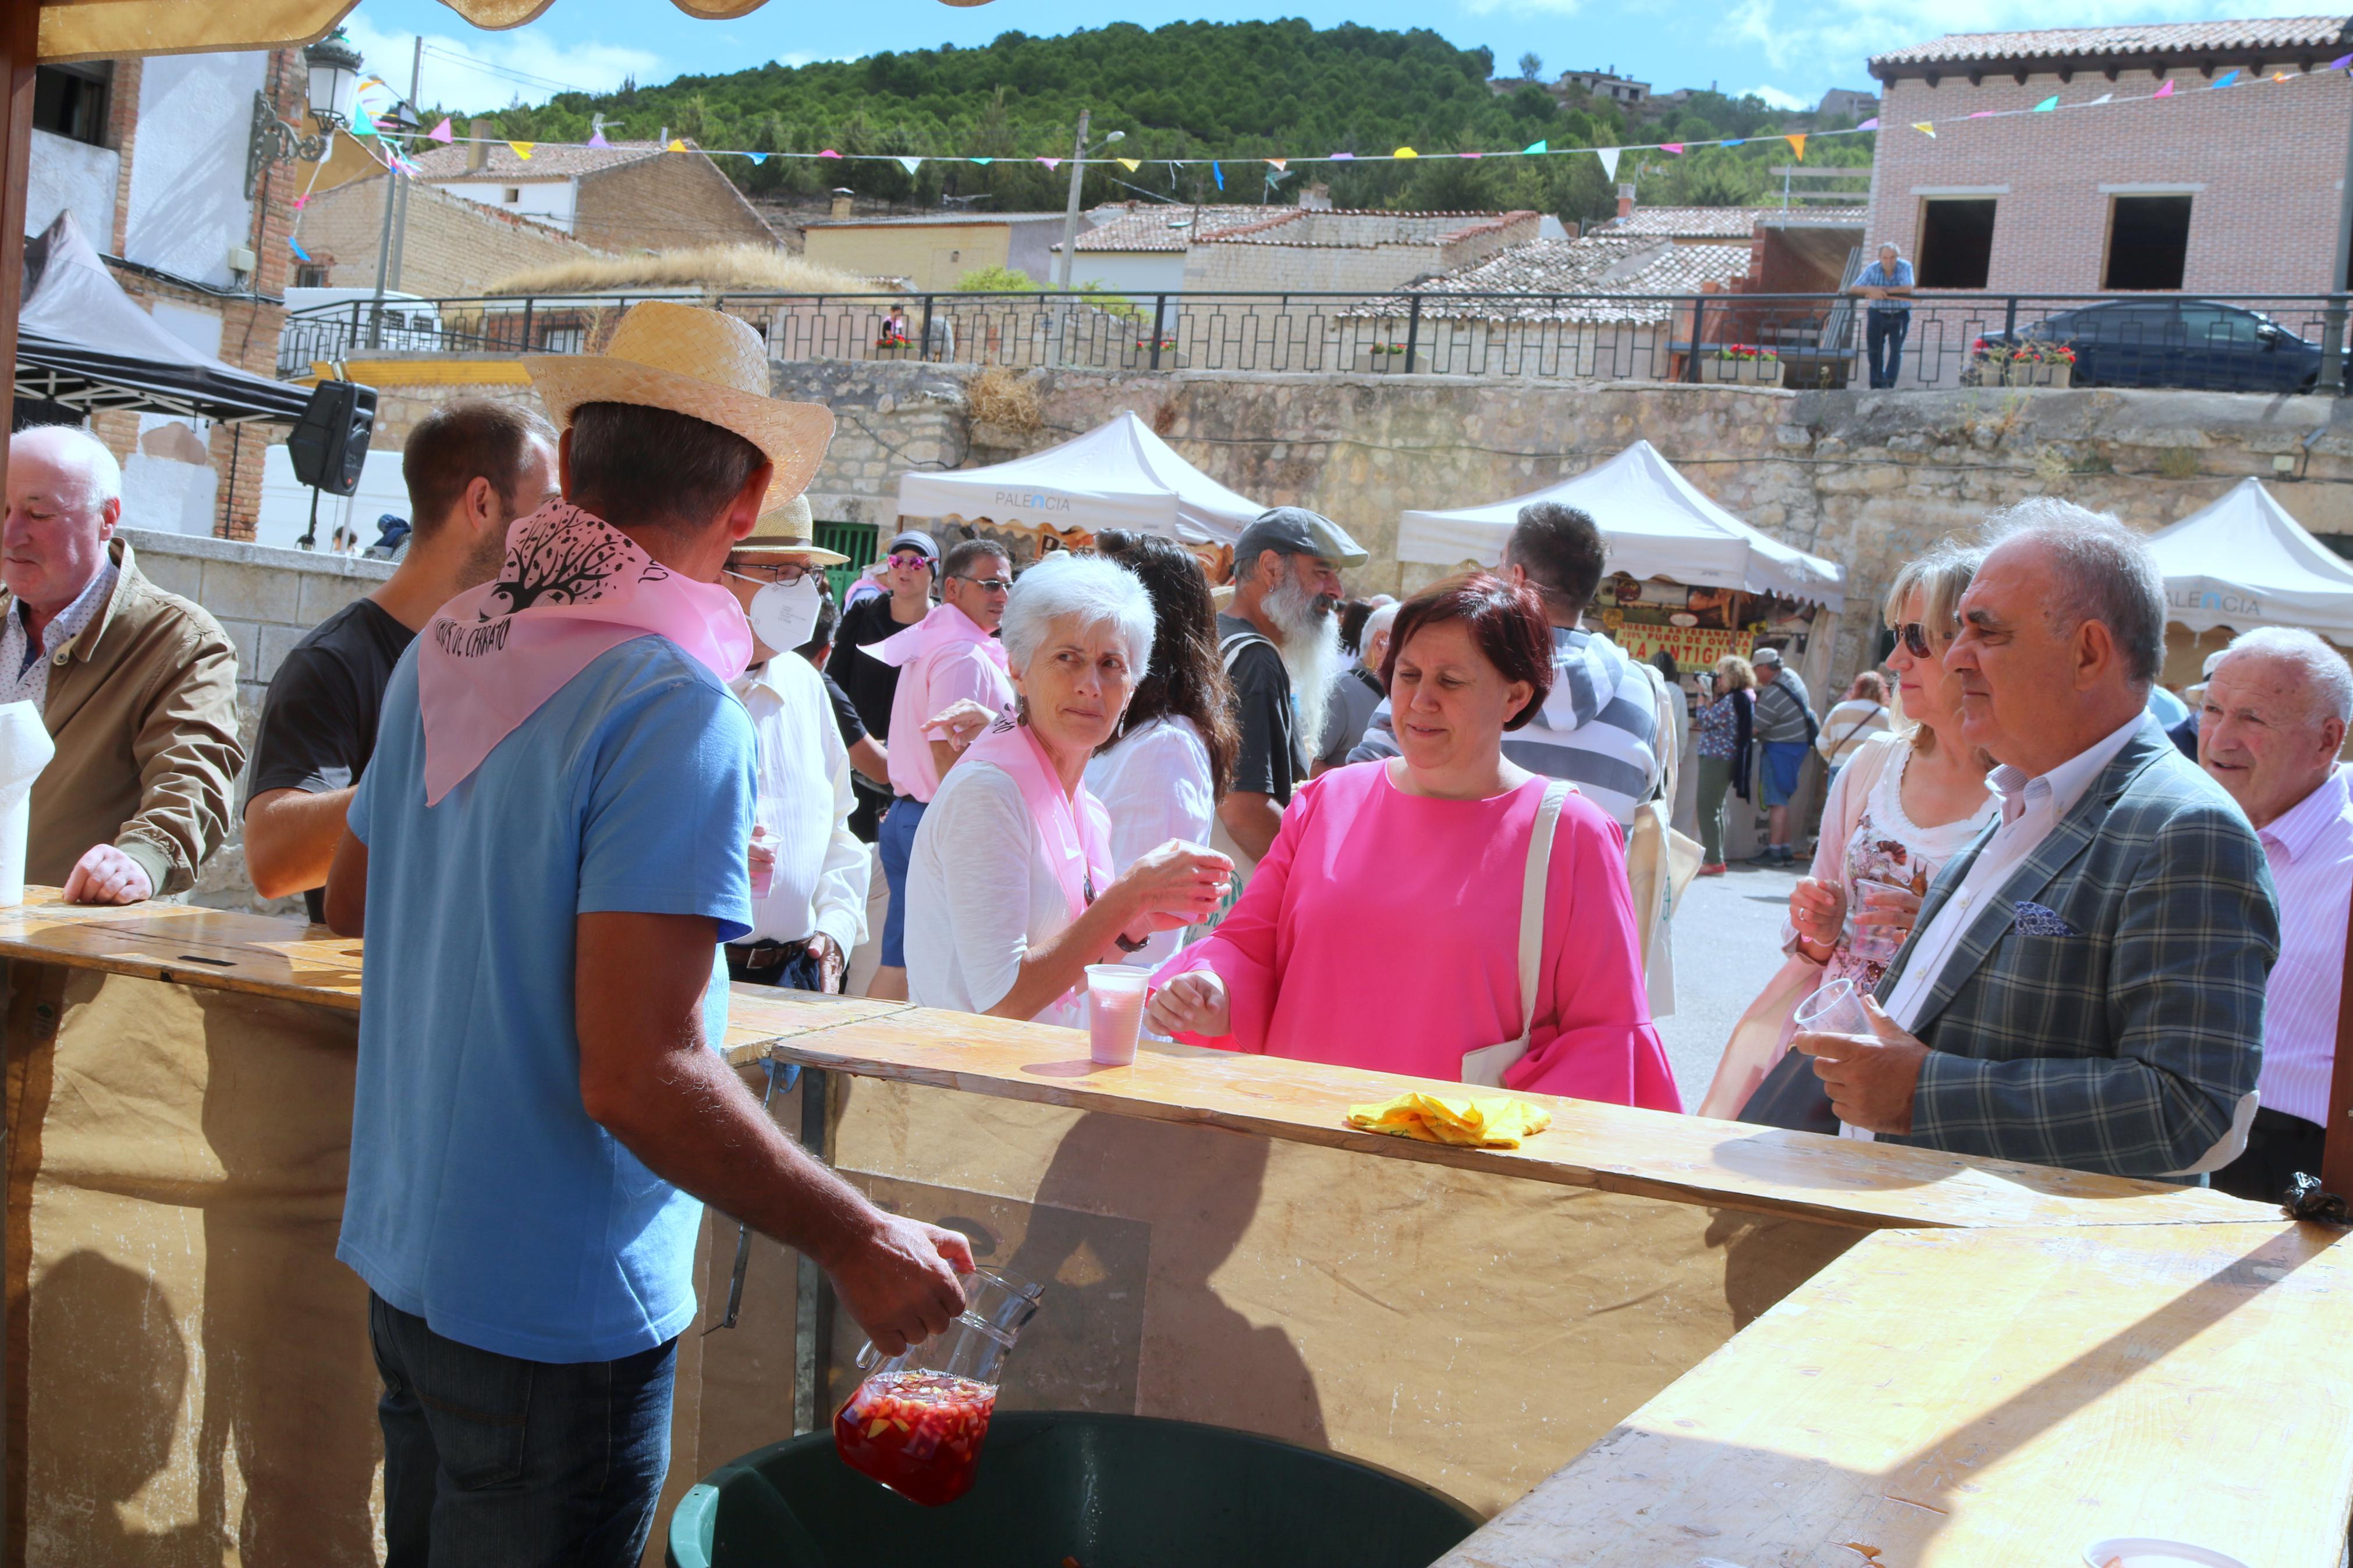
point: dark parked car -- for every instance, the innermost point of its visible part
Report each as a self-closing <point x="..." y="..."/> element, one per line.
<point x="2196" y="344"/>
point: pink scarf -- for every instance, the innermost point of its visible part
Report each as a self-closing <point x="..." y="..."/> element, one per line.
<point x="1076" y="828"/>
<point x="573" y="587"/>
<point x="944" y="627"/>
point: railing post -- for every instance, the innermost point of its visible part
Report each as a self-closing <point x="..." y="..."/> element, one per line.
<point x="2010" y="324"/>
<point x="924" y="349"/>
<point x="2332" y="346"/>
<point x="1412" y="332"/>
<point x="1159" y="315"/>
<point x="527" y="303"/>
<point x="1691" y="360"/>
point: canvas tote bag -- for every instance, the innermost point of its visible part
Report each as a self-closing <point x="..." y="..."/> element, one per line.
<point x="1486" y="1066"/>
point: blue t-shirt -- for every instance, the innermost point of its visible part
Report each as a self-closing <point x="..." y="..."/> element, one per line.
<point x="482" y="1198"/>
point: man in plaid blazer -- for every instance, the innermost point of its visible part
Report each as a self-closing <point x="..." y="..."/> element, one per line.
<point x="2084" y="986"/>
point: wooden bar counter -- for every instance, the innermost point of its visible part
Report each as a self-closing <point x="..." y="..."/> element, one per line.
<point x="1642" y="1339"/>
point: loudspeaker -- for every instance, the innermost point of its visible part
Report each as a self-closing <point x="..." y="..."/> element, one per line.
<point x="329" y="442"/>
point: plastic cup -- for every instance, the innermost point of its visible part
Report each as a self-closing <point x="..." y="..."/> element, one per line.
<point x="1873" y="944"/>
<point x="1833" y="1009"/>
<point x="1114" y="1011"/>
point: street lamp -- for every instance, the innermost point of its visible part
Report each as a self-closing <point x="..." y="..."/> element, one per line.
<point x="334" y="90"/>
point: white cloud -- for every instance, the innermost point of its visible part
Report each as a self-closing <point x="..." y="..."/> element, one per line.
<point x="484" y="71"/>
<point x="1778" y="99"/>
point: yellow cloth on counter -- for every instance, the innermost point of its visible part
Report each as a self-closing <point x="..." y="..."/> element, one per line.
<point x="1497" y="1122"/>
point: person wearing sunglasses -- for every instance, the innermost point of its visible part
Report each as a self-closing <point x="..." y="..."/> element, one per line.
<point x="906" y="574"/>
<point x="1901" y="805"/>
<point x="950" y="665"/>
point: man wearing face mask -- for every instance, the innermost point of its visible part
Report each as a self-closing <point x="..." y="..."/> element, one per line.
<point x="808" y="871"/>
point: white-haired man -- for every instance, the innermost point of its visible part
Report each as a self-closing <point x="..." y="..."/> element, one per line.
<point x="138" y="686"/>
<point x="2272" y="722"/>
<point x="2085" y="984"/>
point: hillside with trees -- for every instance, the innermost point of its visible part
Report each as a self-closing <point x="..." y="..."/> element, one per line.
<point x="1244" y="92"/>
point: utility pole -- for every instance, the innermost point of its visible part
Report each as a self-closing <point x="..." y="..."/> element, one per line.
<point x="395" y="198"/>
<point x="400" y="224"/>
<point x="2332" y="330"/>
<point x="1070" y="235"/>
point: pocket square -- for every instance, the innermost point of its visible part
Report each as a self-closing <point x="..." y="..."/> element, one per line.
<point x="2033" y="920"/>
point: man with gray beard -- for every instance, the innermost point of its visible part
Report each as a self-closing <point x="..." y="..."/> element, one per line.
<point x="1281" y="645"/>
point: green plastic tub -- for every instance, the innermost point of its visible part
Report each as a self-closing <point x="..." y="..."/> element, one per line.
<point x="1104" y="1491"/>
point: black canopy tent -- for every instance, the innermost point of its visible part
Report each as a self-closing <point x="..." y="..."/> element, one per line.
<point x="86" y="345"/>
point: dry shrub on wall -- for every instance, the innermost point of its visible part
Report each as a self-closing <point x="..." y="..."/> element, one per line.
<point x="999" y="396"/>
<point x="715" y="268"/>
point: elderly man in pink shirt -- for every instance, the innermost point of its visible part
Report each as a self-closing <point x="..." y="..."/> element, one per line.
<point x="2273" y="722"/>
<point x="949" y="658"/>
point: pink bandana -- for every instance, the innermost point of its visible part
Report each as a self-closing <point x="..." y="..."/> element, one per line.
<point x="573" y="586"/>
<point x="1076" y="828"/>
<point x="943" y="627"/>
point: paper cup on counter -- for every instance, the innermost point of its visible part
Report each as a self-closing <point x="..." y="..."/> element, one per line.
<point x="1114" y="1011"/>
<point x="25" y="749"/>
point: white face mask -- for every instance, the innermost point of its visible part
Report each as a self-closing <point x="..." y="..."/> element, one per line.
<point x="783" y="614"/>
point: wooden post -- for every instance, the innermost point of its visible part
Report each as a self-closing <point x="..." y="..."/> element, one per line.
<point x="2336" y="1153"/>
<point x="20" y="38"/>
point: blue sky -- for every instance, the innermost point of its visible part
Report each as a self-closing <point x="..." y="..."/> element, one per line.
<point x="1788" y="50"/>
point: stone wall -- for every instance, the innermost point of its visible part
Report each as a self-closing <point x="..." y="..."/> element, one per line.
<point x="1867" y="480"/>
<point x="453" y="248"/>
<point x="670" y="203"/>
<point x="264" y="599"/>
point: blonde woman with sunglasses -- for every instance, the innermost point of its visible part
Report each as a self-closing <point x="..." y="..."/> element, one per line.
<point x="1902" y="805"/>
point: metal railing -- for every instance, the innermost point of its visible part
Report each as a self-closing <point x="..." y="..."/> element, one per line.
<point x="2226" y="342"/>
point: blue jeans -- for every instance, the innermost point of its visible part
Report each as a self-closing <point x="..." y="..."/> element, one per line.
<point x="507" y="1463"/>
<point x="897" y="842"/>
<point x="1883" y="334"/>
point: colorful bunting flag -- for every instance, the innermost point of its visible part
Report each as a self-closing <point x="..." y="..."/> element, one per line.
<point x="1870" y="124"/>
<point x="1280" y="163"/>
<point x="911" y="165"/>
<point x="676" y="146"/>
<point x="2341" y="62"/>
<point x="1052" y="163"/>
<point x="1341" y="158"/>
<point x="300" y="199"/>
<point x="757" y="158"/>
<point x="363" y="124"/>
<point x="1981" y="114"/>
<point x="1608" y="156"/>
<point x="1534" y="147"/>
<point x="522" y="149"/>
<point x="2103" y="98"/>
<point x="1404" y="152"/>
<point x="983" y="162"/>
<point x="441" y="133"/>
<point x="1735" y="142"/>
<point x="2047" y="105"/>
<point x="2228" y="78"/>
<point x="828" y="152"/>
<point x="1798" y="140"/>
<point x="2165" y="91"/>
<point x="2279" y="76"/>
<point x="1470" y="154"/>
<point x="296" y="247"/>
<point x="597" y="139"/>
<point x="1218" y="170"/>
<point x="1674" y="147"/>
<point x="1131" y="164"/>
<point x="1925" y="129"/>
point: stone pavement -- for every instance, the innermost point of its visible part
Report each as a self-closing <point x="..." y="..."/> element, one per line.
<point x="1727" y="944"/>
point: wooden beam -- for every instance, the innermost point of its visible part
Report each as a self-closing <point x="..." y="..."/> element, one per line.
<point x="2337" y="1148"/>
<point x="20" y="41"/>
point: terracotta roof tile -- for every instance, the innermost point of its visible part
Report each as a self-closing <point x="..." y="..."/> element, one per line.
<point x="1598" y="265"/>
<point x="1727" y="223"/>
<point x="1159" y="226"/>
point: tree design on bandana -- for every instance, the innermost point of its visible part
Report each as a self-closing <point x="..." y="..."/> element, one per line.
<point x="571" y="559"/>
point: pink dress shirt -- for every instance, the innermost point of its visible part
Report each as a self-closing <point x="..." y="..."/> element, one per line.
<point x="2310" y="847"/>
<point x="943" y="660"/>
<point x="1382" y="931"/>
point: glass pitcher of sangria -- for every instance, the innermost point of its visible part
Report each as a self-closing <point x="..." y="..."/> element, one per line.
<point x="917" y="1423"/>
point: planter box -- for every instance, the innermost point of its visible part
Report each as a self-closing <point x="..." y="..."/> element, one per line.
<point x="1742" y="371"/>
<point x="1367" y="362"/>
<point x="2037" y="372"/>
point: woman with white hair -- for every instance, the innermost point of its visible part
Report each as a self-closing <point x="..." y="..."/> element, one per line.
<point x="1010" y="893"/>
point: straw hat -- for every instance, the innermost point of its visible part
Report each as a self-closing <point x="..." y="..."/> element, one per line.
<point x="789" y="529"/>
<point x="697" y="362"/>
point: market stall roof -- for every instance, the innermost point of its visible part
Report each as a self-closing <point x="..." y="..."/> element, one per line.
<point x="1656" y="524"/>
<point x="2244" y="561"/>
<point x="1118" y="475"/>
<point x="82" y="341"/>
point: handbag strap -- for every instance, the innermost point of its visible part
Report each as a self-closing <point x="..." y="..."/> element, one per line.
<point x="1532" y="898"/>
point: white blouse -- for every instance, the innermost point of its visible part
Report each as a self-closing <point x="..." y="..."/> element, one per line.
<point x="980" y="895"/>
<point x="1156" y="785"/>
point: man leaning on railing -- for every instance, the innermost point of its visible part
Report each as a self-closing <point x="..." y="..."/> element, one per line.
<point x="1887" y="284"/>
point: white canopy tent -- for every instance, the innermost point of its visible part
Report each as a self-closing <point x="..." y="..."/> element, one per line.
<point x="1655" y="523"/>
<point x="1118" y="475"/>
<point x="2244" y="563"/>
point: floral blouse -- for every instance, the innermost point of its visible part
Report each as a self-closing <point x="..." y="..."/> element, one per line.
<point x="1717" y="727"/>
<point x="1886" y="846"/>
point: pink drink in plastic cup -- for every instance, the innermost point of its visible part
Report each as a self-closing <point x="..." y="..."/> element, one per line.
<point x="1114" y="1011"/>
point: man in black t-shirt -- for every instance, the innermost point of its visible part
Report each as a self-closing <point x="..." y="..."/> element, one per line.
<point x="471" y="467"/>
<point x="1281" y="645"/>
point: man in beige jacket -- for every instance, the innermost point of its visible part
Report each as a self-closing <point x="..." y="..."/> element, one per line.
<point x="138" y="686"/>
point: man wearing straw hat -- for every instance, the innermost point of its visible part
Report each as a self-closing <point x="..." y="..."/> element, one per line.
<point x="546" y="850"/>
<point x="809" y="871"/>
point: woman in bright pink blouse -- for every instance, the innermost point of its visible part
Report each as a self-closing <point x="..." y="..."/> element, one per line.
<point x="1383" y="929"/>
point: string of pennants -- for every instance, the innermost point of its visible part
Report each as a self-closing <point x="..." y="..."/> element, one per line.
<point x="396" y="147"/>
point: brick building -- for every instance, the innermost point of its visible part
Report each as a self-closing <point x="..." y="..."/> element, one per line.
<point x="2230" y="191"/>
<point x="632" y="195"/>
<point x="151" y="157"/>
<point x="453" y="248"/>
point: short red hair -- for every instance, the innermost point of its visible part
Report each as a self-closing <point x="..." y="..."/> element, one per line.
<point x="1508" y="625"/>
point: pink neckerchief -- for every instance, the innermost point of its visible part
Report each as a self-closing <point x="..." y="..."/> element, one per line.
<point x="945" y="627"/>
<point x="573" y="586"/>
<point x="1076" y="828"/>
